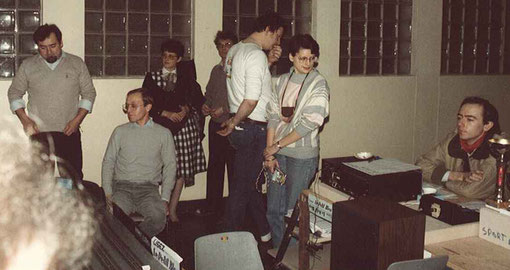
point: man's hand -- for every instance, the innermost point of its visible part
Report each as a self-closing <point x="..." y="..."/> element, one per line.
<point x="74" y="124"/>
<point x="274" y="54"/>
<point x="228" y="126"/>
<point x="206" y="110"/>
<point x="218" y="112"/>
<point x="270" y="151"/>
<point x="29" y="126"/>
<point x="72" y="127"/>
<point x="470" y="177"/>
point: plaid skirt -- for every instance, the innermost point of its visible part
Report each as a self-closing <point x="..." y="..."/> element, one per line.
<point x="189" y="151"/>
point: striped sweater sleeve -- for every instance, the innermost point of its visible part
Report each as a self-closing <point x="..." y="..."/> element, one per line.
<point x="316" y="108"/>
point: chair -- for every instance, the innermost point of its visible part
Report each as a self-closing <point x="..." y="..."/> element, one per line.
<point x="225" y="251"/>
<point x="434" y="263"/>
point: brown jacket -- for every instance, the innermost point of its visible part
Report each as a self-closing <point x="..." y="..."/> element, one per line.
<point x="448" y="156"/>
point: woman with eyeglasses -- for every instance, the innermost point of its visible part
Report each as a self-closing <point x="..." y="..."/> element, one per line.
<point x="178" y="100"/>
<point x="299" y="105"/>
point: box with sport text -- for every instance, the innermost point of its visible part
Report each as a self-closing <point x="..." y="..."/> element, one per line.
<point x="494" y="227"/>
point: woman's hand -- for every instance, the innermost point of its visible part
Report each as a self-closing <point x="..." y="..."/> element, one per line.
<point x="206" y="110"/>
<point x="271" y="164"/>
<point x="184" y="111"/>
<point x="173" y="116"/>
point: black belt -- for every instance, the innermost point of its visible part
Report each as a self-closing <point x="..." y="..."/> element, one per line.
<point x="250" y="121"/>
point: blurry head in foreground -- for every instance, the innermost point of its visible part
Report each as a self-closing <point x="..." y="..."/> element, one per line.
<point x="42" y="224"/>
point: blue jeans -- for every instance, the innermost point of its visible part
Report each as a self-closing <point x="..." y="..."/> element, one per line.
<point x="248" y="141"/>
<point x="281" y="198"/>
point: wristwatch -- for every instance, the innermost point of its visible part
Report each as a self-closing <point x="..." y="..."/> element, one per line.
<point x="278" y="145"/>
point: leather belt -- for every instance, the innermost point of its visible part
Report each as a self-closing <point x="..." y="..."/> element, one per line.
<point x="251" y="121"/>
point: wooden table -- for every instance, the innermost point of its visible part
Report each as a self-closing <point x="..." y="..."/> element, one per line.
<point x="472" y="253"/>
<point x="460" y="242"/>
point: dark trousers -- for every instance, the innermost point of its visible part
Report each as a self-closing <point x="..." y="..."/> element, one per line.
<point x="65" y="147"/>
<point x="248" y="141"/>
<point x="220" y="154"/>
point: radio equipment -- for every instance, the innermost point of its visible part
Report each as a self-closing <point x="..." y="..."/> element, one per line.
<point x="394" y="186"/>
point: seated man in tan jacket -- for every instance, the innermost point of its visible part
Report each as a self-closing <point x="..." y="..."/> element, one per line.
<point x="462" y="161"/>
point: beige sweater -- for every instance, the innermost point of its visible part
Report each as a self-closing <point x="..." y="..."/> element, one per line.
<point x="53" y="95"/>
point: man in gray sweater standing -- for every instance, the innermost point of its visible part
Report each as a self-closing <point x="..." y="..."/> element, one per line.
<point x="60" y="95"/>
<point x="140" y="155"/>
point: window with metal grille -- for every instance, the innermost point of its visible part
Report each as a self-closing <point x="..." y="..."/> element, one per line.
<point x="375" y="37"/>
<point x="18" y="21"/>
<point x="475" y="37"/>
<point x="123" y="37"/>
<point x="239" y="17"/>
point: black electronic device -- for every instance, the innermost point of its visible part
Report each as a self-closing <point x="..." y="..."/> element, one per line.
<point x="448" y="211"/>
<point x="399" y="186"/>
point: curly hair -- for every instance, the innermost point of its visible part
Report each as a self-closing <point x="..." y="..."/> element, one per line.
<point x="37" y="210"/>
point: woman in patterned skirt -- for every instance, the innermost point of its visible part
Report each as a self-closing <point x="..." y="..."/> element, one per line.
<point x="177" y="103"/>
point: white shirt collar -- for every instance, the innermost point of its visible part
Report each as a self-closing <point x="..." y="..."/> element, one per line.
<point x="165" y="71"/>
<point x="54" y="65"/>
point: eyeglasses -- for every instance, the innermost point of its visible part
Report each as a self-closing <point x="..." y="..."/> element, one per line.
<point x="126" y="107"/>
<point x="171" y="57"/>
<point x="226" y="45"/>
<point x="308" y="59"/>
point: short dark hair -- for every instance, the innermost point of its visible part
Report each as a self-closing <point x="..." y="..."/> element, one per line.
<point x="270" y="19"/>
<point x="146" y="95"/>
<point x="173" y="46"/>
<point x="224" y="35"/>
<point x="303" y="41"/>
<point x="44" y="31"/>
<point x="490" y="113"/>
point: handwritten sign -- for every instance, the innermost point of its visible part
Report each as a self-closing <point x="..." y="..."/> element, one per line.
<point x="494" y="227"/>
<point x="165" y="255"/>
<point x="320" y="207"/>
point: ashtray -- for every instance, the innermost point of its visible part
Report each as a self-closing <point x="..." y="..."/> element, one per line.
<point x="363" y="155"/>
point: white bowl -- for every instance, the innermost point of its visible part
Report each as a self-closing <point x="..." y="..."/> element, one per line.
<point x="428" y="190"/>
<point x="363" y="155"/>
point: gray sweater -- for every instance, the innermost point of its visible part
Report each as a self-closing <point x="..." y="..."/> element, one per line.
<point x="140" y="154"/>
<point x="216" y="92"/>
<point x="53" y="95"/>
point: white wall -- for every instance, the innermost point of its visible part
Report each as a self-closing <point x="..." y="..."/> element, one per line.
<point x="391" y="116"/>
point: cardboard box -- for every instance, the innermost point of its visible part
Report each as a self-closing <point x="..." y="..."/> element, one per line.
<point x="494" y="227"/>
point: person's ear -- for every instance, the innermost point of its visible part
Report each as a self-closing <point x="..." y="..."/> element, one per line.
<point x="488" y="126"/>
<point x="291" y="57"/>
<point x="148" y="107"/>
<point x="179" y="59"/>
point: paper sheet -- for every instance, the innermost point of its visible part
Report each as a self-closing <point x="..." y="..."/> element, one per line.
<point x="382" y="166"/>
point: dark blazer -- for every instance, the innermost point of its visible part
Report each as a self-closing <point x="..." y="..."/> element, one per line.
<point x="187" y="92"/>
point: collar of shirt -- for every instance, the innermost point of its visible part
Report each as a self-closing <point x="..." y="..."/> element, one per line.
<point x="165" y="72"/>
<point x="54" y="65"/>
<point x="149" y="123"/>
